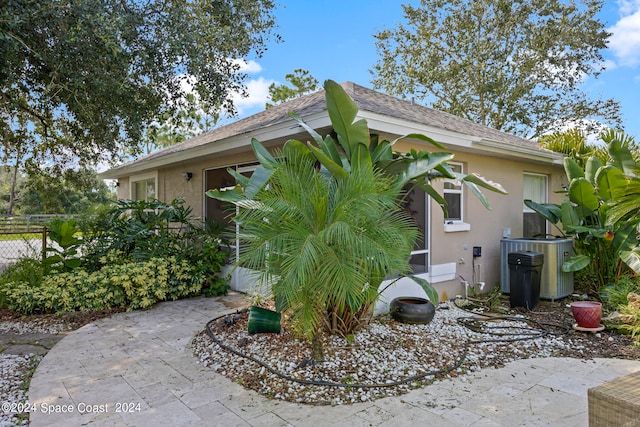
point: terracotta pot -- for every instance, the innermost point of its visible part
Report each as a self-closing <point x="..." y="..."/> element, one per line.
<point x="587" y="313"/>
<point x="412" y="310"/>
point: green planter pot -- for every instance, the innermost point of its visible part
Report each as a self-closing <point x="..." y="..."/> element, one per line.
<point x="262" y="320"/>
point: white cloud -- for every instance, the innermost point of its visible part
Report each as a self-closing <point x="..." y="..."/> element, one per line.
<point x="249" y="67"/>
<point x="628" y="7"/>
<point x="609" y="65"/>
<point x="258" y="90"/>
<point x="625" y="38"/>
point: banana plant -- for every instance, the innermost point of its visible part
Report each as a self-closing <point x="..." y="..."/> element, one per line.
<point x="605" y="244"/>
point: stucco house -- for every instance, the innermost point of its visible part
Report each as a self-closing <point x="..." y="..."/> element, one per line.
<point x="445" y="256"/>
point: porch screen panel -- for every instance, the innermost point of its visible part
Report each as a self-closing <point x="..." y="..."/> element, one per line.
<point x="143" y="190"/>
<point x="416" y="205"/>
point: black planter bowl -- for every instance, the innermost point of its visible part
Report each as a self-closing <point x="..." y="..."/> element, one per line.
<point x="412" y="310"/>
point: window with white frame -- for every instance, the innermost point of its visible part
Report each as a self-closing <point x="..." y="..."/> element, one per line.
<point x="143" y="187"/>
<point x="534" y="189"/>
<point x="454" y="196"/>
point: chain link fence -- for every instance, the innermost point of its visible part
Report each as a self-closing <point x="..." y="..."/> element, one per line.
<point x="23" y="236"/>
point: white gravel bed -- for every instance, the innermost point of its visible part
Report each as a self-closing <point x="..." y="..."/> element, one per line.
<point x="34" y="326"/>
<point x="384" y="352"/>
<point x="15" y="372"/>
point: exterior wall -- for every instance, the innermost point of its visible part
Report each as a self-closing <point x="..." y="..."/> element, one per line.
<point x="486" y="226"/>
<point x="446" y="248"/>
<point x="171" y="184"/>
<point x="123" y="188"/>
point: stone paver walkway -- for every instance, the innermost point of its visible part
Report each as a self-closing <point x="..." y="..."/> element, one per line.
<point x="137" y="369"/>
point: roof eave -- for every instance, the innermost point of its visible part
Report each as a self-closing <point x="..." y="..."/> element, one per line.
<point x="227" y="145"/>
<point x="519" y="152"/>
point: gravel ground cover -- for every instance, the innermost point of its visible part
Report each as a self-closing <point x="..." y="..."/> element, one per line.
<point x="388" y="358"/>
<point x="16" y="369"/>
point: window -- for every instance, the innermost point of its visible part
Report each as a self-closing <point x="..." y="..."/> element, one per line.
<point x="143" y="187"/>
<point x="454" y="196"/>
<point x="534" y="189"/>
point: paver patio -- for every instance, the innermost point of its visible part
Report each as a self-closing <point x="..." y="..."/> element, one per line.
<point x="137" y="369"/>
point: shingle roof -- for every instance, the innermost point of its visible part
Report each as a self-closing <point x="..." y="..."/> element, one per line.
<point x="367" y="100"/>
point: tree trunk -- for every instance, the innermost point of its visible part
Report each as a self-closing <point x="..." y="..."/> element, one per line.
<point x="12" y="193"/>
<point x="14" y="179"/>
<point x="317" y="351"/>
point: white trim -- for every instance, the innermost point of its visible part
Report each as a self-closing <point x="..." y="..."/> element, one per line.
<point x="525" y="208"/>
<point x="520" y="152"/>
<point x="455" y="226"/>
<point x="459" y="190"/>
<point x="442" y="272"/>
<point x="143" y="177"/>
<point x="427" y="239"/>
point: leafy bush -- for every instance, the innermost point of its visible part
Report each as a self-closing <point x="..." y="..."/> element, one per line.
<point x="64" y="257"/>
<point x="134" y="230"/>
<point x="616" y="294"/>
<point x="132" y="286"/>
<point x="134" y="255"/>
<point x="26" y="270"/>
<point x="606" y="245"/>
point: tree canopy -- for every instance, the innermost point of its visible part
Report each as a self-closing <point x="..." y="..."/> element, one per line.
<point x="75" y="192"/>
<point x="516" y="66"/>
<point x="301" y="80"/>
<point x="84" y="78"/>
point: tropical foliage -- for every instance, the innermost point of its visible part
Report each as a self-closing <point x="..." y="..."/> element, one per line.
<point x="134" y="230"/>
<point x="603" y="224"/>
<point x="323" y="223"/>
<point x="64" y="255"/>
<point x="131" y="256"/>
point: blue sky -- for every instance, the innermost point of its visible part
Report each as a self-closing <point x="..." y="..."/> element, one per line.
<point x="334" y="40"/>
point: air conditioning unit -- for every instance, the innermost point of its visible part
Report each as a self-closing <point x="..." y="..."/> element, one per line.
<point x="554" y="283"/>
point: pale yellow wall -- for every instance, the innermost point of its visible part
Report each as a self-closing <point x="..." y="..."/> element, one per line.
<point x="486" y="225"/>
<point x="123" y="188"/>
<point x="171" y="184"/>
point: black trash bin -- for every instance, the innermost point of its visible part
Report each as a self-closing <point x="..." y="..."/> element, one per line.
<point x="525" y="269"/>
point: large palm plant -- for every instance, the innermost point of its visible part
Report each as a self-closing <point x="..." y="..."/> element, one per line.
<point x="323" y="223"/>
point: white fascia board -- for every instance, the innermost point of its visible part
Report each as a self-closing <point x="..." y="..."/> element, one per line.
<point x="239" y="142"/>
<point x="455" y="139"/>
<point x="495" y="147"/>
<point x="380" y="122"/>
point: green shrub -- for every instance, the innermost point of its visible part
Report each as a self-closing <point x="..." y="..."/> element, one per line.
<point x="27" y="270"/>
<point x="131" y="286"/>
<point x="24" y="270"/>
<point x="138" y="231"/>
<point x="616" y="294"/>
<point x="65" y="256"/>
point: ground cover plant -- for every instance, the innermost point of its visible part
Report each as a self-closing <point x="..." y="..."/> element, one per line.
<point x="323" y="222"/>
<point x="131" y="256"/>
